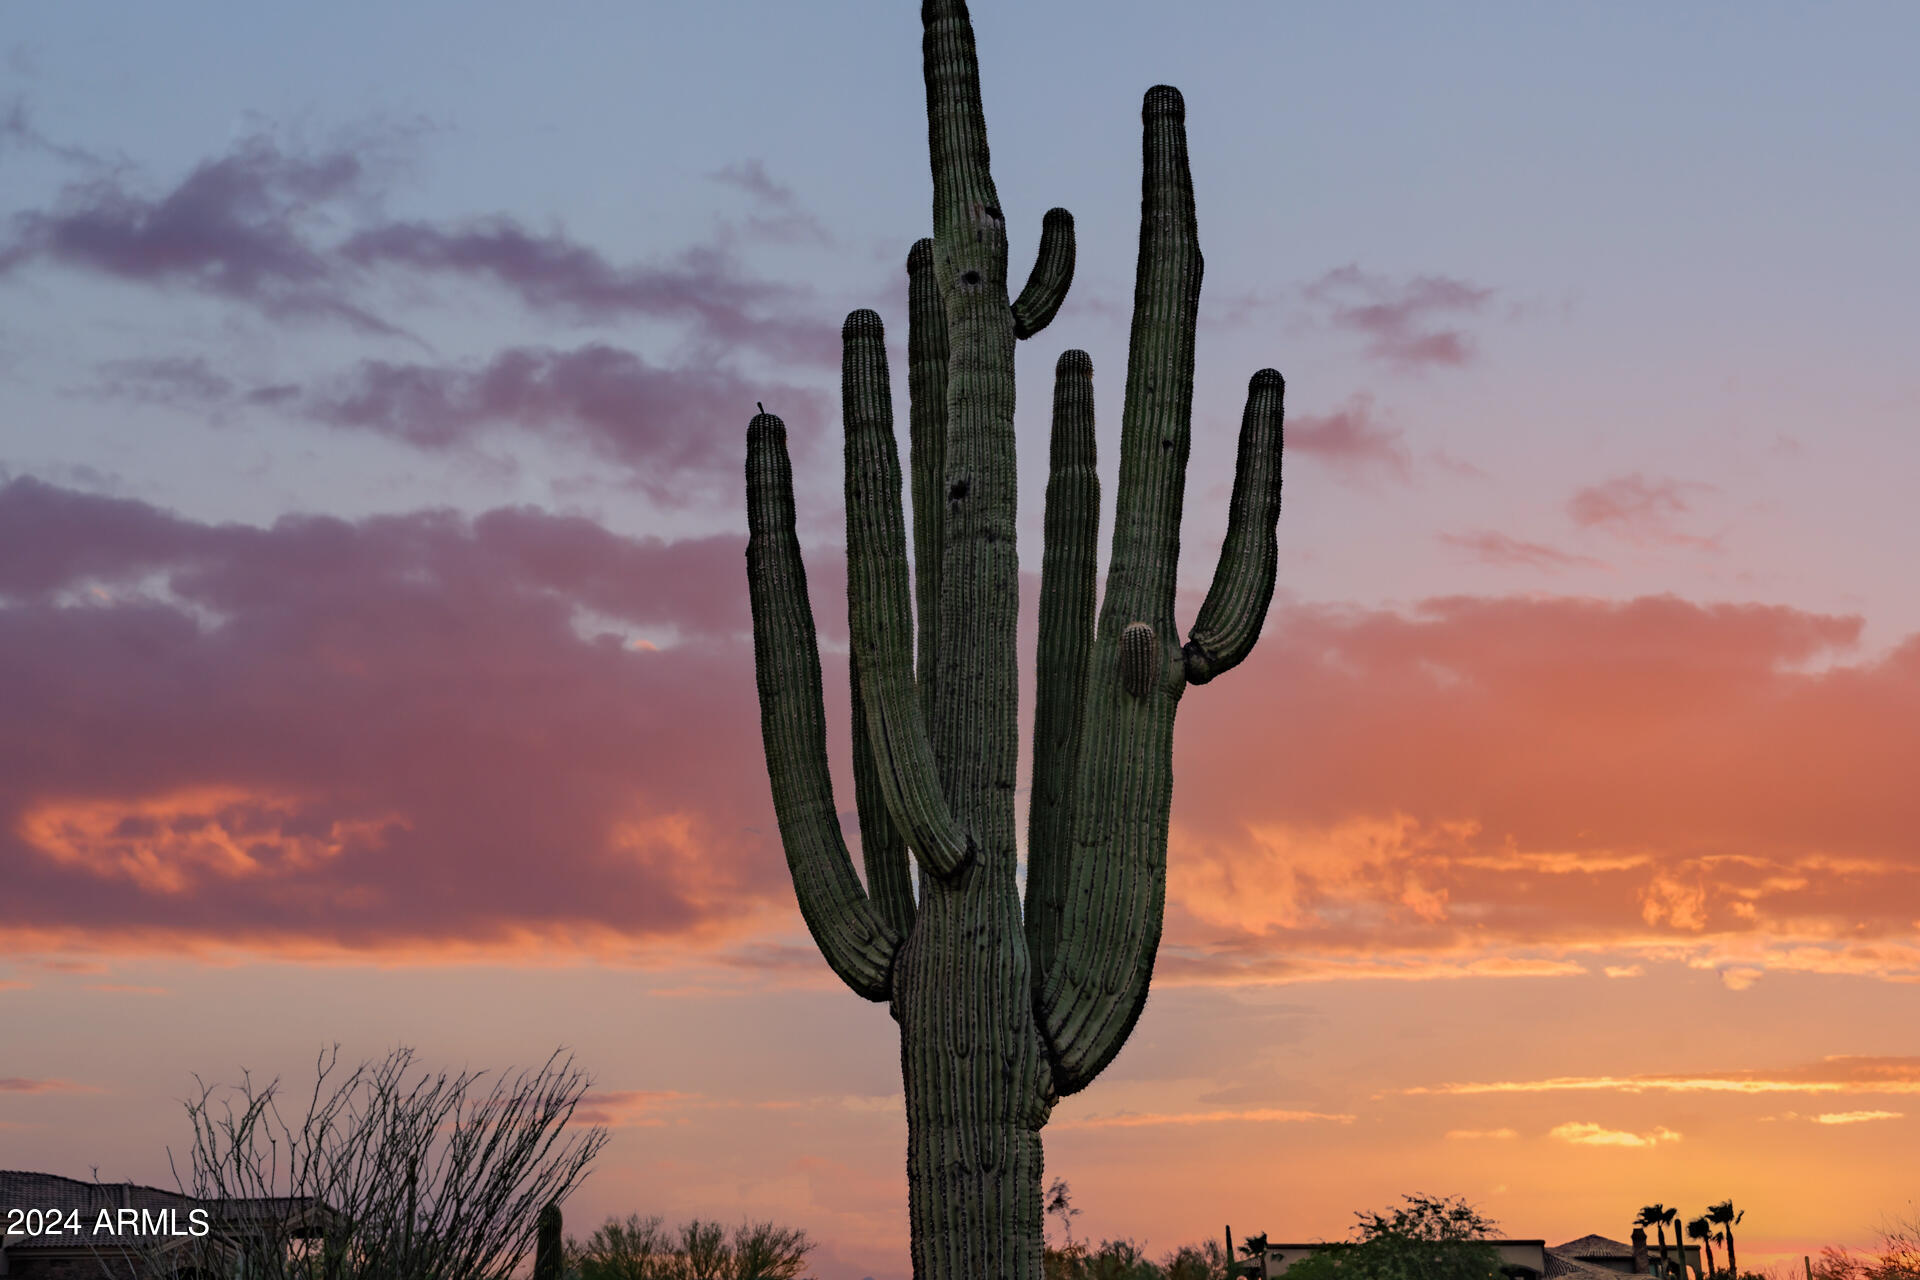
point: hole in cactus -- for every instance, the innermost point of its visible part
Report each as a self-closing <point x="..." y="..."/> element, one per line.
<point x="993" y="211"/>
<point x="958" y="491"/>
<point x="1166" y="446"/>
<point x="970" y="277"/>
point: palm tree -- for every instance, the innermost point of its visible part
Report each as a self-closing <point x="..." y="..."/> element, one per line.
<point x="1702" y="1230"/>
<point x="1656" y="1216"/>
<point x="1724" y="1217"/>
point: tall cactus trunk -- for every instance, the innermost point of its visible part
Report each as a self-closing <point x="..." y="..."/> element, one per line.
<point x="977" y="1088"/>
<point x="1002" y="1010"/>
<point x="977" y="1094"/>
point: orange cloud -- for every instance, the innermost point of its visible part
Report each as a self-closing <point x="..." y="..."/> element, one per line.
<point x="1584" y="1133"/>
<point x="1839" y="1073"/>
<point x="1544" y="780"/>
<point x="1139" y="1119"/>
<point x="168" y="843"/>
<point x="1856" y="1117"/>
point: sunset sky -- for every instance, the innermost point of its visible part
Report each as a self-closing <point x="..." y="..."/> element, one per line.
<point x="374" y="662"/>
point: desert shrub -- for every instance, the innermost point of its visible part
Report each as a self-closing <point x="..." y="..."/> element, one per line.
<point x="637" y="1248"/>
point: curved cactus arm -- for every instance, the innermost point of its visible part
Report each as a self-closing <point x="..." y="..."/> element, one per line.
<point x="1236" y="604"/>
<point x="1067" y="571"/>
<point x="882" y="624"/>
<point x="856" y="941"/>
<point x="927" y="434"/>
<point x="1110" y="930"/>
<point x="889" y="881"/>
<point x="1046" y="288"/>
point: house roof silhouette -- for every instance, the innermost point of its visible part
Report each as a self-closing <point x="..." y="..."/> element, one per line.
<point x="69" y="1217"/>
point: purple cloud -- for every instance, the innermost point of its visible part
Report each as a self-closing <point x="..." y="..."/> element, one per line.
<point x="245" y="227"/>
<point x="702" y="285"/>
<point x="175" y="381"/>
<point x="679" y="429"/>
<point x="1398" y="319"/>
<point x="783" y="219"/>
<point x="17" y="129"/>
<point x="235" y="227"/>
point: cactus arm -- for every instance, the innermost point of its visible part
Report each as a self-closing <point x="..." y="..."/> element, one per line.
<point x="1067" y="571"/>
<point x="889" y="881"/>
<point x="855" y="940"/>
<point x="877" y="594"/>
<point x="1236" y="603"/>
<point x="1046" y="288"/>
<point x="927" y="416"/>
<point x="1124" y="787"/>
<point x="964" y="199"/>
<point x="1158" y="413"/>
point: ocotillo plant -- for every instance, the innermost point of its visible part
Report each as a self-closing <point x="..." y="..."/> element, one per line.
<point x="1001" y="1013"/>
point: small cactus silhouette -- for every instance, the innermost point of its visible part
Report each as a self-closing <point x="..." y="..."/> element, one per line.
<point x="549" y="1260"/>
<point x="1002" y="1011"/>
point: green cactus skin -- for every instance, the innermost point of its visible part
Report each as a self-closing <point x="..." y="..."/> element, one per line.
<point x="1002" y="1012"/>
<point x="1068" y="568"/>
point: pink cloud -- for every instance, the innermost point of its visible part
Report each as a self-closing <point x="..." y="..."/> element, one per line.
<point x="408" y="731"/>
<point x="1501" y="551"/>
<point x="423" y="730"/>
<point x="1349" y="440"/>
<point x="1639" y="510"/>
<point x="1398" y="318"/>
<point x="21" y="1084"/>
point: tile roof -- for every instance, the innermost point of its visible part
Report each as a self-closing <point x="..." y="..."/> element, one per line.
<point x="1594" y="1247"/>
<point x="1565" y="1266"/>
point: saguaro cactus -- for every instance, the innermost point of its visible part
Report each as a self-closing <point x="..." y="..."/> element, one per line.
<point x="1001" y="1013"/>
<point x="549" y="1254"/>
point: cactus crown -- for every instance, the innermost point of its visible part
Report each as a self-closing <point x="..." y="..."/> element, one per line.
<point x="935" y="744"/>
